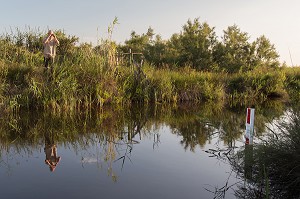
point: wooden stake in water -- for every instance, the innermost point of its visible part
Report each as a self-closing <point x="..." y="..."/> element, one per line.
<point x="249" y="126"/>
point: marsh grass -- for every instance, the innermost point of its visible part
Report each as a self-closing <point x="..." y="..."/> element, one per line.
<point x="84" y="77"/>
<point x="292" y="83"/>
<point x="274" y="166"/>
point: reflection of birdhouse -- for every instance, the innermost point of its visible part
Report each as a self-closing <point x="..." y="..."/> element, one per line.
<point x="249" y="126"/>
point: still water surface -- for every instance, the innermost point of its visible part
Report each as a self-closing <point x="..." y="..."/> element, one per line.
<point x="138" y="152"/>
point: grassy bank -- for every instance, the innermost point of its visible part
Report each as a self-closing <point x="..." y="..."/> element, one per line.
<point x="84" y="77"/>
<point x="74" y="86"/>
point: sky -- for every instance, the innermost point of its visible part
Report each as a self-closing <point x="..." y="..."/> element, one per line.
<point x="278" y="20"/>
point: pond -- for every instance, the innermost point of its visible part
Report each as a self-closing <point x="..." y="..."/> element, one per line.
<point x="131" y="152"/>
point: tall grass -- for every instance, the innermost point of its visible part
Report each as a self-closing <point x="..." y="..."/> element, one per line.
<point x="292" y="83"/>
<point x="274" y="167"/>
<point x="256" y="86"/>
<point x="86" y="77"/>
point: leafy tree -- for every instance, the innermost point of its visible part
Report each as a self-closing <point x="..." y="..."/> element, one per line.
<point x="197" y="41"/>
<point x="173" y="50"/>
<point x="155" y="51"/>
<point x="265" y="53"/>
<point x="66" y="43"/>
<point x="34" y="41"/>
<point x="235" y="53"/>
<point x="138" y="43"/>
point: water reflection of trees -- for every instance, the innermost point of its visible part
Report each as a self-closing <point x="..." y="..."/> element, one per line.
<point x="115" y="131"/>
<point x="200" y="124"/>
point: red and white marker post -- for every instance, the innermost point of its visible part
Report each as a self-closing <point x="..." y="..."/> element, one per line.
<point x="249" y="126"/>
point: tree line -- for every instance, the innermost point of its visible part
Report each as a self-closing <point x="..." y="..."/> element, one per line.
<point x="196" y="46"/>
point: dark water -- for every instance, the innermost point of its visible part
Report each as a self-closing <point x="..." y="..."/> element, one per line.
<point x="133" y="152"/>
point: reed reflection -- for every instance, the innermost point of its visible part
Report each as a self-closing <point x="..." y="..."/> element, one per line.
<point x="271" y="168"/>
<point x="118" y="130"/>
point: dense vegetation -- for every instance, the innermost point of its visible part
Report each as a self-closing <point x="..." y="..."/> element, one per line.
<point x="271" y="168"/>
<point x="192" y="65"/>
<point x="197" y="46"/>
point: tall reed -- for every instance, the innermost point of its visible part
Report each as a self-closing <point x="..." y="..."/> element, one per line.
<point x="86" y="77"/>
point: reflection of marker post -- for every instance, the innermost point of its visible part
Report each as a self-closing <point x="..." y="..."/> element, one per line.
<point x="249" y="126"/>
<point x="248" y="167"/>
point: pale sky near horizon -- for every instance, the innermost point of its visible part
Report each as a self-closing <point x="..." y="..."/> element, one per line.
<point x="278" y="20"/>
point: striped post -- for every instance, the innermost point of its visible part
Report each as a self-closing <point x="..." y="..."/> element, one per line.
<point x="249" y="126"/>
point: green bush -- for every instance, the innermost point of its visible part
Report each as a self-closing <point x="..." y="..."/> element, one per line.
<point x="292" y="83"/>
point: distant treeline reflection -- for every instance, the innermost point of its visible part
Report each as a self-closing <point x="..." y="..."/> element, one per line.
<point x="196" y="124"/>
